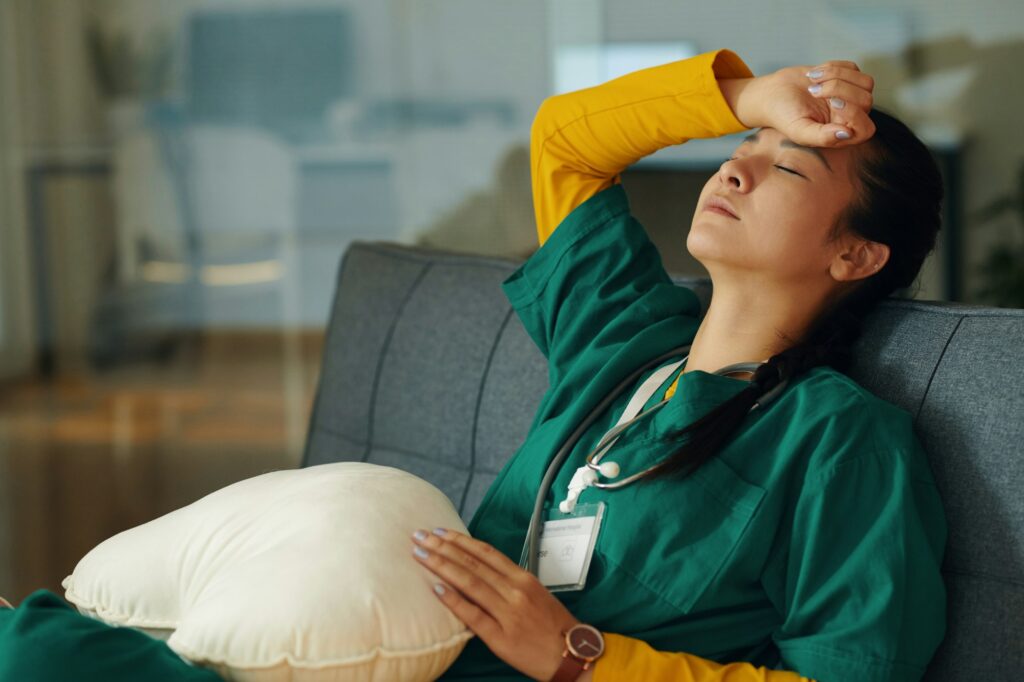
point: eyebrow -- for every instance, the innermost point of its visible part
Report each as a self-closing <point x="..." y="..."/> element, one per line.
<point x="786" y="142"/>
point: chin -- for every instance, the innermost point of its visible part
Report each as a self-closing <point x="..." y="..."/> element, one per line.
<point x="714" y="253"/>
<point x="703" y="245"/>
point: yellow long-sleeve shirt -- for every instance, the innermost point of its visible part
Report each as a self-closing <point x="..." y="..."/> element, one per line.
<point x="580" y="142"/>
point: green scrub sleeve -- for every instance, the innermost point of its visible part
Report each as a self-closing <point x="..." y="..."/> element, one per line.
<point x="597" y="282"/>
<point x="46" y="640"/>
<point x="864" y="595"/>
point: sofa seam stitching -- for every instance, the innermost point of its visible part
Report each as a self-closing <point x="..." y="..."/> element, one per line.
<point x="476" y="407"/>
<point x="383" y="354"/>
<point x="935" y="369"/>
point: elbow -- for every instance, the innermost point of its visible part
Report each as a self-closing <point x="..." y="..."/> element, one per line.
<point x="547" y="119"/>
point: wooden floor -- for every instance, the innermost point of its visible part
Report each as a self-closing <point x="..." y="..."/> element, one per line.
<point x="86" y="457"/>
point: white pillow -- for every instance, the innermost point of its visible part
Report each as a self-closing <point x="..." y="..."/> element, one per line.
<point x="300" y="575"/>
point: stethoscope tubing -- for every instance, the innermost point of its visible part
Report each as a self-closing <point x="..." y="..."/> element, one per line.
<point x="533" y="530"/>
<point x="602" y="448"/>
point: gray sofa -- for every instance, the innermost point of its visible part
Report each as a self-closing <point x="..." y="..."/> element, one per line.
<point x="427" y="368"/>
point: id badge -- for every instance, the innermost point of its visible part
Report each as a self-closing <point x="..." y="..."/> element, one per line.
<point x="566" y="546"/>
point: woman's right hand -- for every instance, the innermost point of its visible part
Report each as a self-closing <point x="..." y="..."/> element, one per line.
<point x="781" y="100"/>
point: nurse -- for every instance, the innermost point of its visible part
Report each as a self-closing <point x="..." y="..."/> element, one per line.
<point x="801" y="541"/>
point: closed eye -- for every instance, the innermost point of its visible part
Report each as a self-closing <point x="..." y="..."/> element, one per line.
<point x="782" y="168"/>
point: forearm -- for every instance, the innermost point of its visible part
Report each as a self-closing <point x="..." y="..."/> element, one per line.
<point x="581" y="141"/>
<point x="740" y="94"/>
<point x="604" y="129"/>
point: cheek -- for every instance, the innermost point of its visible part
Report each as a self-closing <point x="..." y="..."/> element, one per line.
<point x="790" y="241"/>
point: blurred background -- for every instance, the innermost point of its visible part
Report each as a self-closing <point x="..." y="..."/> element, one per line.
<point x="178" y="182"/>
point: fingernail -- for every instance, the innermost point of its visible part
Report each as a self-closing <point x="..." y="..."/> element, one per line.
<point x="420" y="535"/>
<point x="439" y="589"/>
<point x="440" y="531"/>
<point x="814" y="74"/>
<point x="836" y="102"/>
<point x="842" y="135"/>
<point x="814" y="89"/>
<point x="420" y="552"/>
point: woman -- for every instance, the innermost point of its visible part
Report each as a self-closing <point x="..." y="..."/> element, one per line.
<point x="799" y="541"/>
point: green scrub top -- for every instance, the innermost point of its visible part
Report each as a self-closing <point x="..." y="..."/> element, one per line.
<point x="812" y="542"/>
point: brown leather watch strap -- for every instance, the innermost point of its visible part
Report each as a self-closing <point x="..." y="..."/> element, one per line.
<point x="569" y="669"/>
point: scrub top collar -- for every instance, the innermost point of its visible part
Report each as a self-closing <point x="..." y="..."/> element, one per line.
<point x="697" y="393"/>
<point x="702" y="387"/>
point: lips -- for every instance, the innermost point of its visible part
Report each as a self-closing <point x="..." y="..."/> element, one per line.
<point x="717" y="202"/>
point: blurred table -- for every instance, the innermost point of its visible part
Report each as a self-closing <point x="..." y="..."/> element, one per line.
<point x="335" y="181"/>
<point x="40" y="167"/>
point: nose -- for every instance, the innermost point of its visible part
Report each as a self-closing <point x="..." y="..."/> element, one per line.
<point x="732" y="173"/>
<point x="735" y="174"/>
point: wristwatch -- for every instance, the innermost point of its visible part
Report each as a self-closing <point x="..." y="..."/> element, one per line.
<point x="583" y="645"/>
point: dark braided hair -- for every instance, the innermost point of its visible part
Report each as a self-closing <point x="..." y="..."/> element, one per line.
<point x="897" y="202"/>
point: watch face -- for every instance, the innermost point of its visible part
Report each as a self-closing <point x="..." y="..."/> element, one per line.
<point x="585" y="641"/>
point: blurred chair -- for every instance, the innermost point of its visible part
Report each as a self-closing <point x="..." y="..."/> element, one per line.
<point x="206" y="222"/>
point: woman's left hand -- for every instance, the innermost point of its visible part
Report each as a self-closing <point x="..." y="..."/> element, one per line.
<point x="506" y="606"/>
<point x="783" y="100"/>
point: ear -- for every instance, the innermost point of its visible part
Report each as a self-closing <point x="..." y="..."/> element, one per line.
<point x="858" y="259"/>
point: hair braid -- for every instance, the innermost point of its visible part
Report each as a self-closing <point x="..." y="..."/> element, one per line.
<point x="829" y="342"/>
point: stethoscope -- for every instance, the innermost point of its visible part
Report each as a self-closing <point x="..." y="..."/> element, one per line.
<point x="588" y="475"/>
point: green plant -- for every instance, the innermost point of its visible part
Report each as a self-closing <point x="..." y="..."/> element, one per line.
<point x="1002" y="272"/>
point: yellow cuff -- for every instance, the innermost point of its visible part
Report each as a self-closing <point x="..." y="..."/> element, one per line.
<point x="626" y="658"/>
<point x="724" y="64"/>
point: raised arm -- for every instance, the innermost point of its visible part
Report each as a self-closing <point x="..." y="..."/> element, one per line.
<point x="581" y="141"/>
